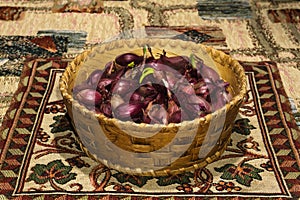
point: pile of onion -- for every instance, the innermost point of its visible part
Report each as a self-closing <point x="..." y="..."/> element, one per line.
<point x="153" y="90"/>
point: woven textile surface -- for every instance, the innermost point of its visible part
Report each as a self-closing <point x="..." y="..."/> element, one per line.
<point x="39" y="155"/>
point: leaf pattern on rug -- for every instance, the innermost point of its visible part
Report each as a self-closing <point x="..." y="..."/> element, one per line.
<point x="242" y="126"/>
<point x="178" y="178"/>
<point x="139" y="181"/>
<point x="54" y="172"/>
<point x="61" y="124"/>
<point x="78" y="162"/>
<point x="243" y="174"/>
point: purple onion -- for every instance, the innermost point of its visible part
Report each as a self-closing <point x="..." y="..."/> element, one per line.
<point x="89" y="97"/>
<point x="178" y="63"/>
<point x="147" y="90"/>
<point x="127" y="58"/>
<point x="172" y="79"/>
<point x="117" y="74"/>
<point x="125" y="110"/>
<point x="135" y="97"/>
<point x="221" y="97"/>
<point x="139" y="118"/>
<point x="94" y="77"/>
<point x="185" y="115"/>
<point x="82" y="86"/>
<point x="188" y="89"/>
<point x="195" y="85"/>
<point x="208" y="72"/>
<point x="123" y="86"/>
<point x="203" y="104"/>
<point x="159" y="75"/>
<point x="218" y="101"/>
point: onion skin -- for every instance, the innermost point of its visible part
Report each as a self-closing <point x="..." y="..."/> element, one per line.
<point x="146" y="119"/>
<point x="104" y="83"/>
<point x="162" y="92"/>
<point x="161" y="98"/>
<point x="175" y="117"/>
<point x="172" y="106"/>
<point x="107" y="69"/>
<point x="174" y="112"/>
<point x="158" y="114"/>
<point x="106" y="109"/>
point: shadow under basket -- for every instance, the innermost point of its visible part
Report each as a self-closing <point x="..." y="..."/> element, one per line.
<point x="153" y="149"/>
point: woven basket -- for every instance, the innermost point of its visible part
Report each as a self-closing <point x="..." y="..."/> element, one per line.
<point x="172" y="148"/>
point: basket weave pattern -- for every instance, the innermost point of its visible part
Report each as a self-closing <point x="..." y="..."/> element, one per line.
<point x="116" y="130"/>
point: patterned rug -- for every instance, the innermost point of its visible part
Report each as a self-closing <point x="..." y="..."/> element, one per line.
<point x="41" y="158"/>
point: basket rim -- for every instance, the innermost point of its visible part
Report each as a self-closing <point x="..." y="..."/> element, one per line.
<point x="79" y="59"/>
